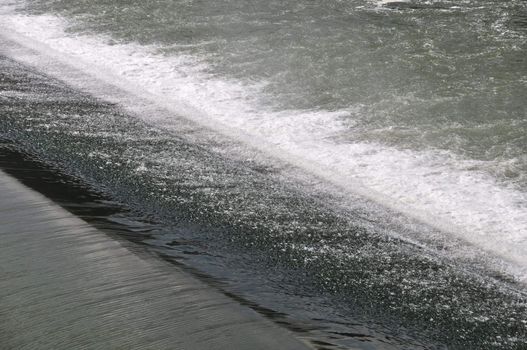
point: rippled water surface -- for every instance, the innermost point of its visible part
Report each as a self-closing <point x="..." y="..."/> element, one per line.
<point x="408" y="120"/>
<point x="445" y="75"/>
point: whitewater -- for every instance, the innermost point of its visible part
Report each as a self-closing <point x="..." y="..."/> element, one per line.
<point x="436" y="187"/>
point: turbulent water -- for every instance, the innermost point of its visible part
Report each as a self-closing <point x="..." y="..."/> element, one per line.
<point x="377" y="150"/>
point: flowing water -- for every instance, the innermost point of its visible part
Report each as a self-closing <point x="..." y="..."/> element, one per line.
<point x="375" y="153"/>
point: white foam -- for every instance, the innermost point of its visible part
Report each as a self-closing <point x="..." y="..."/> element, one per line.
<point x="433" y="186"/>
<point x="381" y="3"/>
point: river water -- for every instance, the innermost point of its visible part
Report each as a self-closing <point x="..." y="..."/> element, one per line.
<point x="408" y="119"/>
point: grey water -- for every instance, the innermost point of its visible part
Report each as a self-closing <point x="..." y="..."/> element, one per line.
<point x="419" y="104"/>
<point x="442" y="82"/>
<point x="67" y="285"/>
<point x="336" y="279"/>
<point x="448" y="75"/>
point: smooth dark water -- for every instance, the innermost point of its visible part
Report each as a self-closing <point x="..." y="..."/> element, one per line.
<point x="67" y="285"/>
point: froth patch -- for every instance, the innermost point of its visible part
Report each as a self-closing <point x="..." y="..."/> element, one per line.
<point x="434" y="186"/>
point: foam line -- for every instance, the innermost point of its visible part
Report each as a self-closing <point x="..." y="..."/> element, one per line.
<point x="434" y="187"/>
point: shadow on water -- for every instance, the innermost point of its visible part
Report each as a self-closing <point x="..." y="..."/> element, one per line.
<point x="407" y="5"/>
<point x="519" y="21"/>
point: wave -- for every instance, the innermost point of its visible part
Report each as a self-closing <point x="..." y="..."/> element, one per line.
<point x="436" y="187"/>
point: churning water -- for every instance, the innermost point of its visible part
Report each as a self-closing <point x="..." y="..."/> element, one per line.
<point x="408" y="120"/>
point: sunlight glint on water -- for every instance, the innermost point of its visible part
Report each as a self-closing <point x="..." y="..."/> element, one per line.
<point x="409" y="115"/>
